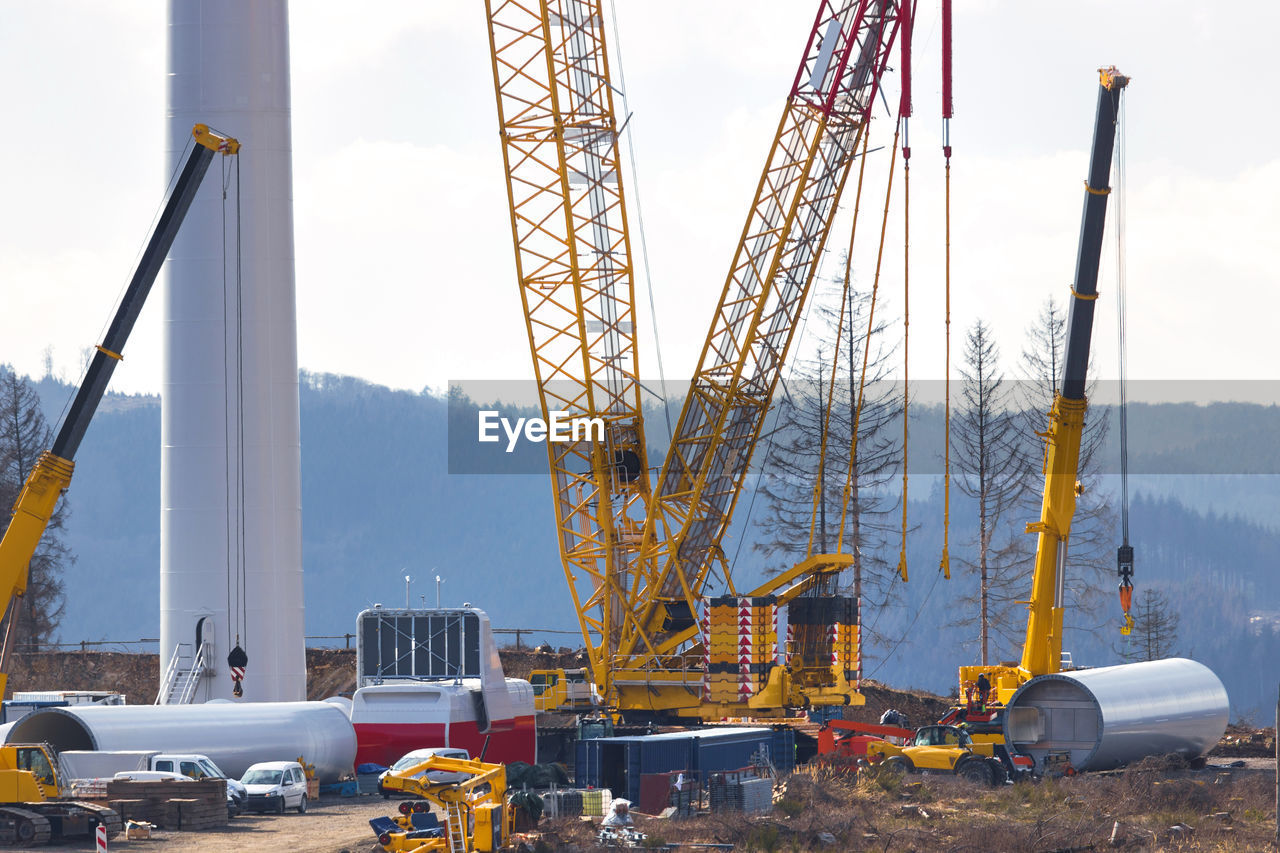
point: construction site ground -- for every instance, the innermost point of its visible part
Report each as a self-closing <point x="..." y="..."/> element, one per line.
<point x="1148" y="808"/>
<point x="1157" y="805"/>
<point x="330" y="826"/>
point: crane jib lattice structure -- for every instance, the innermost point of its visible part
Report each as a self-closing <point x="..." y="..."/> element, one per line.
<point x="637" y="559"/>
<point x="573" y="259"/>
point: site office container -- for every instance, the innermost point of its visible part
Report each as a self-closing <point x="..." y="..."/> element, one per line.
<point x="618" y="763"/>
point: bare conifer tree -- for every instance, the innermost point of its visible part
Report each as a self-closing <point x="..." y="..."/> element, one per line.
<point x="1155" y="629"/>
<point x="790" y="467"/>
<point x="988" y="457"/>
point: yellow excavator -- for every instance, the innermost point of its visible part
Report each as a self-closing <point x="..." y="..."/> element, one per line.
<point x="30" y="812"/>
<point x="475" y="809"/>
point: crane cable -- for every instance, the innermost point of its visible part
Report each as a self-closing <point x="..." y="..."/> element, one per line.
<point x="945" y="563"/>
<point x="857" y="411"/>
<point x="862" y="378"/>
<point x="237" y="552"/>
<point x="1124" y="555"/>
<point x="772" y="435"/>
<point x="871" y="317"/>
<point x="907" y="12"/>
<point x="906" y="322"/>
<point x="644" y="244"/>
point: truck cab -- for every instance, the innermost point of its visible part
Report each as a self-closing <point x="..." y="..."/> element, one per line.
<point x="563" y="690"/>
<point x="40" y="761"/>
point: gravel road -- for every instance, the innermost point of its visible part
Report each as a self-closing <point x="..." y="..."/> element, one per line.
<point x="329" y="826"/>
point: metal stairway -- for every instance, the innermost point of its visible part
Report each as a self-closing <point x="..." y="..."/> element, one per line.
<point x="183" y="675"/>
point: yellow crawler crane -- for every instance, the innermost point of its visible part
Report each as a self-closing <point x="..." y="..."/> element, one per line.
<point x="476" y="813"/>
<point x="637" y="557"/>
<point x="25" y="801"/>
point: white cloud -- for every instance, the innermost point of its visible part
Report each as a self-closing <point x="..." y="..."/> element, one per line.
<point x="405" y="271"/>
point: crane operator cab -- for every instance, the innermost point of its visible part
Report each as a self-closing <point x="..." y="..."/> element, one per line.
<point x="35" y="760"/>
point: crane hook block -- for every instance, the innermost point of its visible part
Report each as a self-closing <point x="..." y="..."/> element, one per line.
<point x="1124" y="564"/>
<point x="1126" y="600"/>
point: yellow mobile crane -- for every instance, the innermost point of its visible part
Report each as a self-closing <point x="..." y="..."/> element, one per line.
<point x="27" y="778"/>
<point x="637" y="556"/>
<point x="1042" y="647"/>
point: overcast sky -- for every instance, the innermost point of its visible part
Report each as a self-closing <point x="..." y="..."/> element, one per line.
<point x="405" y="272"/>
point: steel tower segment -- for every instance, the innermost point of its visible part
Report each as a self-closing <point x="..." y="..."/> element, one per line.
<point x="826" y="112"/>
<point x="573" y="259"/>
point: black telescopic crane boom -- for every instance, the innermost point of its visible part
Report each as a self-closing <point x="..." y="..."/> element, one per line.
<point x="1092" y="222"/>
<point x="111" y="350"/>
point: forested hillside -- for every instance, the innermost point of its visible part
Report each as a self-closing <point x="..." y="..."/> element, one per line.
<point x="379" y="502"/>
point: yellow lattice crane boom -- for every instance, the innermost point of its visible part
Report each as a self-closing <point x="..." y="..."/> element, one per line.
<point x="573" y="259"/>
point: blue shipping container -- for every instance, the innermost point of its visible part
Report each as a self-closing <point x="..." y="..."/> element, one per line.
<point x="618" y="763"/>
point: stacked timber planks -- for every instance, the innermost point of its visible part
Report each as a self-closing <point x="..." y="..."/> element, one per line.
<point x="174" y="805"/>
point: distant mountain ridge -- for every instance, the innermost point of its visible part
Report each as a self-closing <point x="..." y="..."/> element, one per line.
<point x="379" y="503"/>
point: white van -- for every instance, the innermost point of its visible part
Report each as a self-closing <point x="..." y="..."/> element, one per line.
<point x="274" y="786"/>
<point x="420" y="755"/>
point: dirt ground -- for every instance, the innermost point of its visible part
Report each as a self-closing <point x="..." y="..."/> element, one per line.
<point x="330" y="672"/>
<point x="331" y="826"/>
